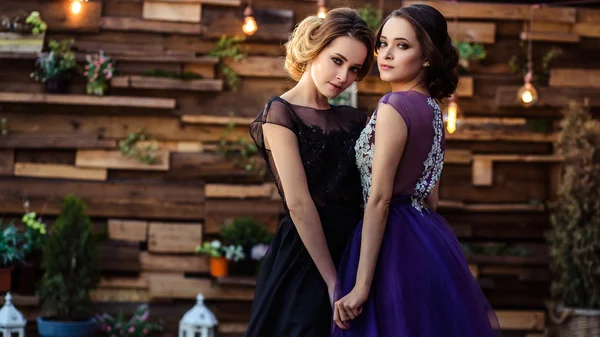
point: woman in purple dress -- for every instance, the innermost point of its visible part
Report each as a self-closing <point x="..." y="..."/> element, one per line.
<point x="404" y="273"/>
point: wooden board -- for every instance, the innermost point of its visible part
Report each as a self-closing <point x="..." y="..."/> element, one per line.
<point x="174" y="237"/>
<point x="506" y="96"/>
<point x="480" y="32"/>
<point x="502" y="135"/>
<point x="7" y="160"/>
<point x="588" y="15"/>
<point x="470" y="10"/>
<point x="482" y="172"/>
<point x="216" y="120"/>
<point x="221" y="212"/>
<point x="231" y="3"/>
<point x="146" y="82"/>
<point x="21" y="43"/>
<point x="107" y="199"/>
<point x="124" y="282"/>
<point x="127" y="230"/>
<point x="274" y="24"/>
<point x="500" y="207"/>
<point x="116" y="101"/>
<point x="130" y="24"/>
<point x="465" y="87"/>
<point x="178" y="287"/>
<point x="119" y="256"/>
<point x="58" y="171"/>
<point x="575" y="78"/>
<point x="119" y="295"/>
<point x="551" y="37"/>
<point x="456" y="156"/>
<point x="116" y="160"/>
<point x="374" y="85"/>
<point x="267" y="190"/>
<point x="585" y="29"/>
<point x="259" y="66"/>
<point x="170" y="11"/>
<point x="174" y="263"/>
<point x="521" y="320"/>
<point x="58" y="141"/>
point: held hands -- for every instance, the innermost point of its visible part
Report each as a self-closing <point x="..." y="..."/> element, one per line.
<point x="349" y="307"/>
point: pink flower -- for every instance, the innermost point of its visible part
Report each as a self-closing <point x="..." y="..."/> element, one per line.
<point x="109" y="76"/>
<point x="105" y="71"/>
<point x="109" y="65"/>
<point x="85" y="73"/>
<point x="92" y="81"/>
<point x="87" y="67"/>
<point x="145" y="331"/>
<point x="102" y="60"/>
<point x="131" y="329"/>
<point x="108" y="328"/>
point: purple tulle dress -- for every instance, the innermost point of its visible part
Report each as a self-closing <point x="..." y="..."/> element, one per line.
<point x="422" y="286"/>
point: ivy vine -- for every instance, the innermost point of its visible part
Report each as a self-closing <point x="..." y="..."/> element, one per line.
<point x="146" y="154"/>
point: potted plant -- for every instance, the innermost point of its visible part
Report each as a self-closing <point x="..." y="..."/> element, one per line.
<point x="575" y="233"/>
<point x="220" y="255"/>
<point x="56" y="67"/>
<point x="11" y="253"/>
<point x="22" y="33"/>
<point x="98" y="72"/>
<point x="468" y="53"/>
<point x="247" y="233"/>
<point x="70" y="262"/>
<point x="30" y="270"/>
<point x="136" y="326"/>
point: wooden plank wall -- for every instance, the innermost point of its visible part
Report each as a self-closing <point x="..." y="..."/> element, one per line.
<point x="499" y="177"/>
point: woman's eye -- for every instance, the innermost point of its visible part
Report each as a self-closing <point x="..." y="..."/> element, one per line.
<point x="354" y="70"/>
<point x="337" y="60"/>
<point x="402" y="46"/>
<point x="382" y="44"/>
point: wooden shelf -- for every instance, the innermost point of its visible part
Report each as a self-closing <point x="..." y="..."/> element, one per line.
<point x="59" y="171"/>
<point x="22" y="300"/>
<point x="216" y="120"/>
<point x="506" y="96"/>
<point x="115" y="101"/>
<point x="471" y="10"/>
<point x="461" y="206"/>
<point x="480" y="32"/>
<point x="149" y="58"/>
<point x="374" y="85"/>
<point x="147" y="82"/>
<point x="551" y="37"/>
<point x="575" y="78"/>
<point x="267" y="190"/>
<point x="259" y="66"/>
<point x="483" y="165"/>
<point x="60" y="141"/>
<point x="107" y="159"/>
<point x="502" y="135"/>
<point x="248" y="281"/>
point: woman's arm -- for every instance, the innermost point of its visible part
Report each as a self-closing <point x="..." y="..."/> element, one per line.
<point x="283" y="145"/>
<point x="390" y="138"/>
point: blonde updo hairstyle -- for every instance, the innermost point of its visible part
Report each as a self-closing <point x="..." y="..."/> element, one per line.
<point x="313" y="34"/>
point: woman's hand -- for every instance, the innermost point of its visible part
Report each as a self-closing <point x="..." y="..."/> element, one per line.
<point x="349" y="307"/>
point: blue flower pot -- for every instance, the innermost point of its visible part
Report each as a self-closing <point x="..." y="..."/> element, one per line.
<point x="48" y="328"/>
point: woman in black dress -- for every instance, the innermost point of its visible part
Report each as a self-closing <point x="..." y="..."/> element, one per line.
<point x="309" y="149"/>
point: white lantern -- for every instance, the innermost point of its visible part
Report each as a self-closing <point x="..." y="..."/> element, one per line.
<point x="198" y="321"/>
<point x="11" y="320"/>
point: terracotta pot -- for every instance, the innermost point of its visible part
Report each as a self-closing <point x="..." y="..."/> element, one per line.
<point x="5" y="279"/>
<point x="218" y="266"/>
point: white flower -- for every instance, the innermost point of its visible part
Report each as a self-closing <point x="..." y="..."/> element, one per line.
<point x="216" y="244"/>
<point x="258" y="251"/>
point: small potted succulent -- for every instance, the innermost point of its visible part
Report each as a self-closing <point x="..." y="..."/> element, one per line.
<point x="22" y="32"/>
<point x="98" y="72"/>
<point x="30" y="270"/>
<point x="11" y="252"/>
<point x="247" y="233"/>
<point x="220" y="255"/>
<point x="55" y="68"/>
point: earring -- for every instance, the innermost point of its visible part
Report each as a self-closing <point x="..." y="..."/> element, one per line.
<point x="426" y="64"/>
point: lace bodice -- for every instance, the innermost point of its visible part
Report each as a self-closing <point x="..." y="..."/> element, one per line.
<point x="423" y="157"/>
<point x="326" y="140"/>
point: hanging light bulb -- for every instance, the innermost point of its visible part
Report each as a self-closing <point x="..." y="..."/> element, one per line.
<point x="249" y="27"/>
<point x="452" y="115"/>
<point x="322" y="10"/>
<point x="527" y="94"/>
<point x="75" y="6"/>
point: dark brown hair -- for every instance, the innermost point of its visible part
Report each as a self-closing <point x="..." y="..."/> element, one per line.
<point x="431" y="30"/>
<point x="313" y="34"/>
